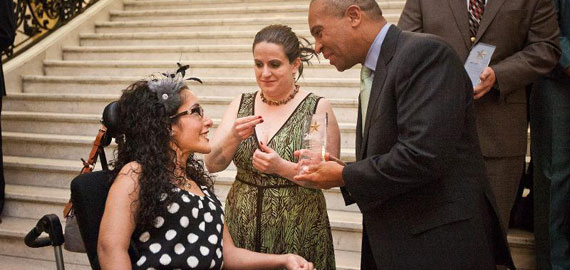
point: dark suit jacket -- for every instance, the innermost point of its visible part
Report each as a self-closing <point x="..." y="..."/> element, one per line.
<point x="419" y="178"/>
<point x="525" y="34"/>
<point x="7" y="33"/>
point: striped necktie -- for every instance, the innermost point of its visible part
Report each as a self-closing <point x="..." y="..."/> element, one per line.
<point x="476" y="9"/>
<point x="366" y="78"/>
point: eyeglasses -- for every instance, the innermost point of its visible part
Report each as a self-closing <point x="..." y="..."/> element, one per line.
<point x="196" y="109"/>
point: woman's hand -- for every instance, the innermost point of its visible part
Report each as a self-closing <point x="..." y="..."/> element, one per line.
<point x="296" y="262"/>
<point x="266" y="160"/>
<point x="243" y="127"/>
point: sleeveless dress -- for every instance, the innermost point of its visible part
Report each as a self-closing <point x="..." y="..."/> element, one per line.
<point x="270" y="214"/>
<point x="187" y="236"/>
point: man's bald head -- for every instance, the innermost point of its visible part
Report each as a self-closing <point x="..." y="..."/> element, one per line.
<point x="338" y="7"/>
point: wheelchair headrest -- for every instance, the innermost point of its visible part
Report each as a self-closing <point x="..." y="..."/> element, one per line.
<point x="111" y="119"/>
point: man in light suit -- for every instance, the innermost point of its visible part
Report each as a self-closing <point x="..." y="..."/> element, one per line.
<point x="419" y="179"/>
<point x="7" y="34"/>
<point x="525" y="34"/>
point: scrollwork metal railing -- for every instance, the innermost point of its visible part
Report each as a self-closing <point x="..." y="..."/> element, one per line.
<point x="36" y="19"/>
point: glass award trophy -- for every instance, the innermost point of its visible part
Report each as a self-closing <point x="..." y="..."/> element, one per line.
<point x="314" y="144"/>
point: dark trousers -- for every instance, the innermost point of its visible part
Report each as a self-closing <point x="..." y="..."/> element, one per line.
<point x="367" y="259"/>
<point x="2" y="182"/>
<point x="504" y="176"/>
<point x="550" y="149"/>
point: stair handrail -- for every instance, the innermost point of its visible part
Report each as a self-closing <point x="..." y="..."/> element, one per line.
<point x="36" y="19"/>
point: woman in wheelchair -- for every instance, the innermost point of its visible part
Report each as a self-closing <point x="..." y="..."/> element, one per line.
<point x="161" y="197"/>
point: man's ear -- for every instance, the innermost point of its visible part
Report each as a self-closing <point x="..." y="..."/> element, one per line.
<point x="354" y="14"/>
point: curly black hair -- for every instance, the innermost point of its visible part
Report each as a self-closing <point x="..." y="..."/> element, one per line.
<point x="144" y="109"/>
<point x="293" y="46"/>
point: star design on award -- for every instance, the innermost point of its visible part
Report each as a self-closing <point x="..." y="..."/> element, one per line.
<point x="481" y="54"/>
<point x="315" y="126"/>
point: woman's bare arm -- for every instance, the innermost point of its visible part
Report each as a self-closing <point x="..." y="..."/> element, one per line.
<point x="118" y="221"/>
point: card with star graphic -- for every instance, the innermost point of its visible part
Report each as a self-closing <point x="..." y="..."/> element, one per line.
<point x="478" y="59"/>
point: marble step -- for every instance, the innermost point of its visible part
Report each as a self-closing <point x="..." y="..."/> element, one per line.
<point x="181" y="53"/>
<point x="89" y="124"/>
<point x="171" y="13"/>
<point x="24" y="170"/>
<point x="51" y="123"/>
<point x="12" y="247"/>
<point x="16" y="256"/>
<point x="148" y="4"/>
<point x="79" y="114"/>
<point x="50" y="146"/>
<point x="71" y="147"/>
<point x="170" y="53"/>
<point x="522" y="249"/>
<point x="58" y="103"/>
<point x="212" y="24"/>
<point x="176" y="38"/>
<point x="183" y="4"/>
<point x="194" y="25"/>
<point x="345" y="109"/>
<point x="42" y="172"/>
<point x="206" y="68"/>
<point x="226" y="87"/>
<point x="58" y="173"/>
<point x="180" y="13"/>
<point x="33" y="202"/>
<point x="18" y="263"/>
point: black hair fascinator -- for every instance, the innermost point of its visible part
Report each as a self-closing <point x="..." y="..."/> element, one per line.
<point x="182" y="70"/>
<point x="167" y="86"/>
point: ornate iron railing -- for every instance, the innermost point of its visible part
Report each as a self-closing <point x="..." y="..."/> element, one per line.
<point x="36" y="19"/>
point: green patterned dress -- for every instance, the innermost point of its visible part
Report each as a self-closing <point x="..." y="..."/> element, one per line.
<point x="270" y="214"/>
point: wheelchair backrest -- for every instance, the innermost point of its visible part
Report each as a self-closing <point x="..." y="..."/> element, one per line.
<point x="89" y="194"/>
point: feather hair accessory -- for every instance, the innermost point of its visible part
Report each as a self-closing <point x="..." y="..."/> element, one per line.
<point x="167" y="86"/>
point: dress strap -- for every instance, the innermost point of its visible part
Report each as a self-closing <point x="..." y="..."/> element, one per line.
<point x="316" y="103"/>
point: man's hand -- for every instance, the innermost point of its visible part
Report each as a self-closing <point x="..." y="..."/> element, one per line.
<point x="567" y="71"/>
<point x="487" y="81"/>
<point x="324" y="175"/>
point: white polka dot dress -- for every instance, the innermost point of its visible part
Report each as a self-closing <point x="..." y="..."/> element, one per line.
<point x="188" y="236"/>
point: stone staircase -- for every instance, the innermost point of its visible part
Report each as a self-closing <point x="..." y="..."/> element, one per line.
<point x="51" y="124"/>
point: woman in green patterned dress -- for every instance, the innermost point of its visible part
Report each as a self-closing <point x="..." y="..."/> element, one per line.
<point x="265" y="210"/>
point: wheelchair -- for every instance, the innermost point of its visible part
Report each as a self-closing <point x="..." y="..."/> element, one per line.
<point x="88" y="195"/>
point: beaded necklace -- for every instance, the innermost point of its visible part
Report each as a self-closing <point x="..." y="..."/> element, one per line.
<point x="280" y="102"/>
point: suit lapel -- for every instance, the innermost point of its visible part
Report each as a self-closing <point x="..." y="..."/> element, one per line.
<point x="358" y="132"/>
<point x="491" y="10"/>
<point x="386" y="52"/>
<point x="459" y="10"/>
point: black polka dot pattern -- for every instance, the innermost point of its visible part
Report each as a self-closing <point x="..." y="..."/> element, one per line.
<point x="188" y="236"/>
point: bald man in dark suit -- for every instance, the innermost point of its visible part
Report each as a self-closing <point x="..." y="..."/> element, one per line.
<point x="419" y="178"/>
